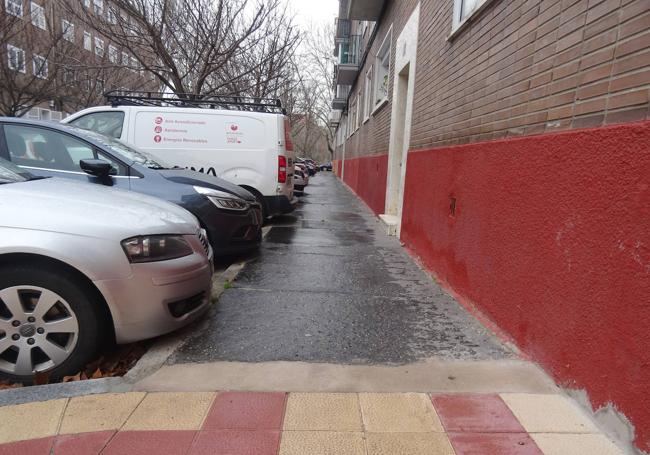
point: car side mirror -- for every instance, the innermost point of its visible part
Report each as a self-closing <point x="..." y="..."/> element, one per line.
<point x="96" y="167"/>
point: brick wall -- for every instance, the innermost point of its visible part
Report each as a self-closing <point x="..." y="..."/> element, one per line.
<point x="520" y="67"/>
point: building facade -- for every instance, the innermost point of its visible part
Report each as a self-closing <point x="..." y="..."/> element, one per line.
<point x="54" y="62"/>
<point x="507" y="144"/>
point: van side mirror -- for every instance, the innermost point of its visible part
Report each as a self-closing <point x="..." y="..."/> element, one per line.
<point x="97" y="168"/>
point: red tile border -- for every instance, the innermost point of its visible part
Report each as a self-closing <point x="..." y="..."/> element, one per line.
<point x="475" y="414"/>
<point x="493" y="444"/>
<point x="150" y="442"/>
<point x="246" y="411"/>
<point x="41" y="446"/>
<point x="82" y="444"/>
<point x="236" y="442"/>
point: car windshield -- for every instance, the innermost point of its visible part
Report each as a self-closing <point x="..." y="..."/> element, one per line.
<point x="10" y="173"/>
<point x="126" y="151"/>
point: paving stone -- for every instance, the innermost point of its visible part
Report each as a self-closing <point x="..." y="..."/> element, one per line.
<point x="575" y="444"/>
<point x="99" y="412"/>
<point x="246" y="411"/>
<point x="398" y="412"/>
<point x="322" y="443"/>
<point x="408" y="444"/>
<point x="40" y="446"/>
<point x="81" y="444"/>
<point x="493" y="444"/>
<point x="475" y="414"/>
<point x="150" y="442"/>
<point x="323" y="411"/>
<point x="548" y="413"/>
<point x="236" y="442"/>
<point x="170" y="411"/>
<point x="30" y="420"/>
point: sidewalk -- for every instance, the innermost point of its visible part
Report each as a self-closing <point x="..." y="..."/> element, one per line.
<point x="241" y="423"/>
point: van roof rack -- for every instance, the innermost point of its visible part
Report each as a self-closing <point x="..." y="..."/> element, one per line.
<point x="232" y="103"/>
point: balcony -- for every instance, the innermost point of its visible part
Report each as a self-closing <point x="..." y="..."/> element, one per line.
<point x="364" y="10"/>
<point x="343" y="27"/>
<point x="334" y="118"/>
<point x="341" y="97"/>
<point x="348" y="51"/>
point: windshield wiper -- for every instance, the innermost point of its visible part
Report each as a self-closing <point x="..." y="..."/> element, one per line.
<point x="37" y="177"/>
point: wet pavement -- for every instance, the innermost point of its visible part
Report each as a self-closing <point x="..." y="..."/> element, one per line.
<point x="329" y="286"/>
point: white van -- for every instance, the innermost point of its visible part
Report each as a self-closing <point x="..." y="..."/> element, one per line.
<point x="244" y="141"/>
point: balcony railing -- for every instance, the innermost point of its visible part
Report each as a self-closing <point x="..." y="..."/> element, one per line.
<point x="341" y="96"/>
<point x="343" y="27"/>
<point x="349" y="50"/>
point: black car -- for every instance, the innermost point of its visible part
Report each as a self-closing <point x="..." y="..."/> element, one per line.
<point x="230" y="214"/>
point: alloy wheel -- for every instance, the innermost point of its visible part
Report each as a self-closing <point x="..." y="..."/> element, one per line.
<point x="38" y="330"/>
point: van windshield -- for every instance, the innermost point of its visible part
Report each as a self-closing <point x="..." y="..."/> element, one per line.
<point x="126" y="151"/>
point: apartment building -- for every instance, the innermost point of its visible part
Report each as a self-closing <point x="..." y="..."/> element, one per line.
<point x="55" y="57"/>
<point x="507" y="144"/>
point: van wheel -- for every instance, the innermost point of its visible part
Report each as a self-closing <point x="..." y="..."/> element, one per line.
<point x="49" y="324"/>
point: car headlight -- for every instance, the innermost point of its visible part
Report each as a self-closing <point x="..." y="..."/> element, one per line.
<point x="153" y="248"/>
<point x="222" y="199"/>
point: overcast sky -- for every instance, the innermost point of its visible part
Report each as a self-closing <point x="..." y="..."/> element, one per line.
<point x="314" y="11"/>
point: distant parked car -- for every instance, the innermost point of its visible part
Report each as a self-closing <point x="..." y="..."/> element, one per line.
<point x="299" y="180"/>
<point x="326" y="167"/>
<point x="230" y="214"/>
<point x="80" y="264"/>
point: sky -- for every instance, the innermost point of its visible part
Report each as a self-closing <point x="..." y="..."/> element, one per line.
<point x="314" y="11"/>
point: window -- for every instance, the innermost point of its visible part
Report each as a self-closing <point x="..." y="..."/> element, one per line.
<point x="68" y="76"/>
<point x="125" y="59"/>
<point x="88" y="43"/>
<point x="99" y="87"/>
<point x="113" y="54"/>
<point x="68" y="30"/>
<point x="108" y="123"/>
<point x="358" y="113"/>
<point x="383" y="70"/>
<point x="16" y="58"/>
<point x="99" y="47"/>
<point x="463" y="9"/>
<point x="39" y="64"/>
<point x="353" y="117"/>
<point x="112" y="15"/>
<point x="14" y="7"/>
<point x="38" y="15"/>
<point x="46" y="149"/>
<point x="98" y="7"/>
<point x="368" y="96"/>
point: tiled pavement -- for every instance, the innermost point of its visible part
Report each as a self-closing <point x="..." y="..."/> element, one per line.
<point x="243" y="423"/>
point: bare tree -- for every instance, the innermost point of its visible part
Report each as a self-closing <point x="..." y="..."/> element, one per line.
<point x="203" y="47"/>
<point x="315" y="92"/>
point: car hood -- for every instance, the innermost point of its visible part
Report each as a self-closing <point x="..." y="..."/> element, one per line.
<point x="208" y="181"/>
<point x="66" y="206"/>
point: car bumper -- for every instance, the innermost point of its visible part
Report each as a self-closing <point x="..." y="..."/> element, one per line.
<point x="233" y="232"/>
<point x="158" y="297"/>
<point x="278" y="205"/>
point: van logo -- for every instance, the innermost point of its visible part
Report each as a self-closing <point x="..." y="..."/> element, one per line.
<point x="159" y="120"/>
<point x="158" y="129"/>
<point x="157" y="139"/>
<point x="234" y="127"/>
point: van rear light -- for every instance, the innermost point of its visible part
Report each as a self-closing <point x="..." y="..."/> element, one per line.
<point x="287" y="135"/>
<point x="282" y="169"/>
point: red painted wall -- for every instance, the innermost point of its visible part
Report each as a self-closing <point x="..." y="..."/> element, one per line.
<point x="367" y="178"/>
<point x="551" y="241"/>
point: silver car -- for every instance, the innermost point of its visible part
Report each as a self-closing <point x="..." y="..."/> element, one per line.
<point x="80" y="264"/>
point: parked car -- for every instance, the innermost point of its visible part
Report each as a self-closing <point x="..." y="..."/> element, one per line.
<point x="299" y="181"/>
<point x="305" y="172"/>
<point x="246" y="142"/>
<point x="83" y="263"/>
<point x="230" y="214"/>
<point x="326" y="167"/>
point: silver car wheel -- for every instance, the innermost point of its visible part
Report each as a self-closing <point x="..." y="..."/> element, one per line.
<point x="38" y="330"/>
